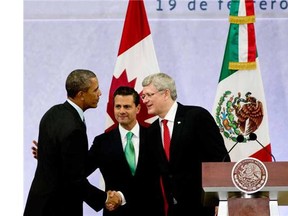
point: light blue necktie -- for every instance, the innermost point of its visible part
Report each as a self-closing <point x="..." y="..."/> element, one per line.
<point x="130" y="152"/>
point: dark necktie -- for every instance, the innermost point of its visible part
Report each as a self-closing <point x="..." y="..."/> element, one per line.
<point x="130" y="152"/>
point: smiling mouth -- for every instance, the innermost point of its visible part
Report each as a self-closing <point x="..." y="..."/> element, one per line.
<point x="122" y="117"/>
<point x="149" y="106"/>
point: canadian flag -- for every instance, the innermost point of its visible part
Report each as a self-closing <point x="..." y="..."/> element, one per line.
<point x="240" y="105"/>
<point x="136" y="59"/>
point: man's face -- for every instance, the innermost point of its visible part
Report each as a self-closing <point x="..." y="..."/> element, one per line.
<point x="153" y="99"/>
<point x="125" y="111"/>
<point x="92" y="96"/>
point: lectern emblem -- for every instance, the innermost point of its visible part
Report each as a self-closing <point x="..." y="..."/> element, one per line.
<point x="249" y="175"/>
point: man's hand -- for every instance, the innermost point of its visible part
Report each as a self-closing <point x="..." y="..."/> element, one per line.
<point x="35" y="149"/>
<point x="216" y="210"/>
<point x="113" y="200"/>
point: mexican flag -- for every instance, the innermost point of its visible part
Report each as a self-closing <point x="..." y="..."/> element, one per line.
<point x="240" y="106"/>
<point x="136" y="59"/>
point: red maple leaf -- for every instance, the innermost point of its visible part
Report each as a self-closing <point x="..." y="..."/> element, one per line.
<point x="123" y="81"/>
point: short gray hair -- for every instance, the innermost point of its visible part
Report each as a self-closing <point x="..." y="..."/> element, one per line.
<point x="161" y="81"/>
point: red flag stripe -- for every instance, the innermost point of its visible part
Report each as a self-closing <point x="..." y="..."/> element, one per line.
<point x="136" y="19"/>
<point x="249" y="7"/>
<point x="251" y="32"/>
<point x="251" y="43"/>
<point x="263" y="154"/>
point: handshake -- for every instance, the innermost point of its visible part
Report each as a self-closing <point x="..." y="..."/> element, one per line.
<point x="113" y="201"/>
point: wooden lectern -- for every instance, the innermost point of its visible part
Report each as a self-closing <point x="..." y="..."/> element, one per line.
<point x="219" y="189"/>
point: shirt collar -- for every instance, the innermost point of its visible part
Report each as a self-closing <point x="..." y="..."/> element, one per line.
<point x="134" y="130"/>
<point x="170" y="116"/>
<point x="78" y="109"/>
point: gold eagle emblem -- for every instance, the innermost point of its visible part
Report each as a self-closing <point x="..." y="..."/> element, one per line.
<point x="249" y="112"/>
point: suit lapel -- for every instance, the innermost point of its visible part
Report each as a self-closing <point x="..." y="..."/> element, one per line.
<point x="115" y="138"/>
<point x="157" y="139"/>
<point x="68" y="106"/>
<point x="178" y="124"/>
<point x="142" y="146"/>
<point x="119" y="151"/>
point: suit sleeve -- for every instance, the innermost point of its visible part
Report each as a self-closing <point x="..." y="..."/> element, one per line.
<point x="74" y="162"/>
<point x="214" y="149"/>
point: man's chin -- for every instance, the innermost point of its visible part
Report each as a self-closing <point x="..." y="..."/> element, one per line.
<point x="95" y="105"/>
<point x="121" y="121"/>
<point x="150" y="111"/>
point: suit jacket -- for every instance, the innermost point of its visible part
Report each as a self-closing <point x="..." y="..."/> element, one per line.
<point x="60" y="185"/>
<point x="195" y="139"/>
<point x="142" y="191"/>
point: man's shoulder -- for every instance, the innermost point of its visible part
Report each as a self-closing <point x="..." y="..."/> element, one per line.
<point x="107" y="134"/>
<point x="58" y="107"/>
<point x="187" y="111"/>
<point x="62" y="116"/>
<point x="195" y="108"/>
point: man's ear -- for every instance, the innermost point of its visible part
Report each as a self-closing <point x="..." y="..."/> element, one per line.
<point x="80" y="95"/>
<point x="138" y="108"/>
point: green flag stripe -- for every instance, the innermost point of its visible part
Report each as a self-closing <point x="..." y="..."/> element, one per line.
<point x="231" y="52"/>
<point x="234" y="7"/>
<point x="234" y="42"/>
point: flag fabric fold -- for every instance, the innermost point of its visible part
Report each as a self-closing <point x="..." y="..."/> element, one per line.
<point x="240" y="105"/>
<point x="136" y="59"/>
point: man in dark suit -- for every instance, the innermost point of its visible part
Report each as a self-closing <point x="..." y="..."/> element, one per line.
<point x="60" y="186"/>
<point x="141" y="191"/>
<point x="194" y="138"/>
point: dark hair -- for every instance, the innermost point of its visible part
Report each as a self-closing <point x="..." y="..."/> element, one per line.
<point x="126" y="90"/>
<point x="78" y="80"/>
